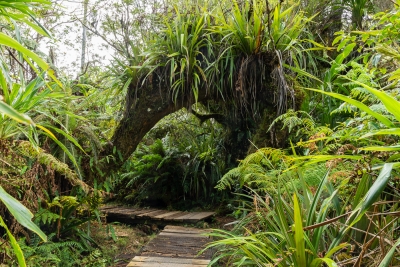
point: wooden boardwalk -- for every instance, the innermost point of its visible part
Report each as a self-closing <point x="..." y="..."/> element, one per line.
<point x="139" y="215"/>
<point x="175" y="246"/>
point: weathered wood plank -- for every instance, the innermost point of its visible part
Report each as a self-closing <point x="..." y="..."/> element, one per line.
<point x="120" y="211"/>
<point x="196" y="235"/>
<point x="151" y="213"/>
<point x="183" y="230"/>
<point x="167" y="214"/>
<point x="201" y="215"/>
<point x="183" y="217"/>
<point x="171" y="217"/>
<point x="163" y="264"/>
<point x="200" y="231"/>
<point x="141" y="211"/>
<point x="127" y="212"/>
<point x="117" y="210"/>
<point x="194" y="216"/>
<point x="169" y="260"/>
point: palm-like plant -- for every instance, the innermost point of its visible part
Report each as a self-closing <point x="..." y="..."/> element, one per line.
<point x="257" y="39"/>
<point x="181" y="51"/>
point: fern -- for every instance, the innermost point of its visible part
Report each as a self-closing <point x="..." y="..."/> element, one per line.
<point x="51" y="253"/>
<point x="344" y="108"/>
<point x="295" y="119"/>
<point x="45" y="216"/>
<point x="259" y="171"/>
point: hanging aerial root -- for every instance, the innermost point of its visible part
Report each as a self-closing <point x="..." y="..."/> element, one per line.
<point x="284" y="91"/>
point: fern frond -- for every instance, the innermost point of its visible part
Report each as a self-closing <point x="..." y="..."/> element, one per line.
<point x="293" y="119"/>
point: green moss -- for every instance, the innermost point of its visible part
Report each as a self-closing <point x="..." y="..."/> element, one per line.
<point x="26" y="149"/>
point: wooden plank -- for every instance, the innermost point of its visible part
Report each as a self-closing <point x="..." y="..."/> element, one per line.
<point x="163" y="264"/>
<point x="189" y="231"/>
<point x="137" y="212"/>
<point x="202" y="215"/>
<point x="186" y="216"/>
<point x="119" y="211"/>
<point x="122" y="212"/>
<point x="182" y="229"/>
<point x="171" y="217"/>
<point x="177" y="227"/>
<point x="195" y="216"/>
<point x="196" y="235"/>
<point x="169" y="260"/>
<point x="170" y="213"/>
<point x="151" y="213"/>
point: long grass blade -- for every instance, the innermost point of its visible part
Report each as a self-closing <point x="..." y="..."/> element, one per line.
<point x="299" y="234"/>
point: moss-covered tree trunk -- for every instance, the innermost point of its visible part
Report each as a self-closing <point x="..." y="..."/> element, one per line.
<point x="144" y="107"/>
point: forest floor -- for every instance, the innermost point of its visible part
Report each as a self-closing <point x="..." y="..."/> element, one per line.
<point x="124" y="244"/>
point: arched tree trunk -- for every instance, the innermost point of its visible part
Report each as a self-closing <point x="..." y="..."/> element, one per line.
<point x="148" y="103"/>
<point x="144" y="107"/>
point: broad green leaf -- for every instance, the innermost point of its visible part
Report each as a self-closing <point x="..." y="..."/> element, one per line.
<point x="14" y="244"/>
<point x="388" y="257"/>
<point x="359" y="105"/>
<point x="316" y="199"/>
<point x="66" y="135"/>
<point x="346" y="51"/>
<point x="15" y="115"/>
<point x="20" y="213"/>
<point x="313" y="159"/>
<point x="10" y="42"/>
<point x="395" y="75"/>
<point x="299" y="233"/>
<point x="336" y="249"/>
<point x="381" y="148"/>
<point x="391" y="104"/>
<point x="46" y="130"/>
<point x="394" y="131"/>
<point x="302" y="72"/>
<point x="320" y="261"/>
<point x="3" y="85"/>
<point x="372" y="195"/>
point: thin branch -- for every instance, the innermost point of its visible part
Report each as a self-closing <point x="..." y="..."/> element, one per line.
<point x="325" y="222"/>
<point x="12" y="55"/>
<point x="101" y="36"/>
<point x="9" y="166"/>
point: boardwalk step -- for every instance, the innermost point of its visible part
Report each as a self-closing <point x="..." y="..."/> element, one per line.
<point x="163" y="261"/>
<point x="129" y="214"/>
<point x="175" y="246"/>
